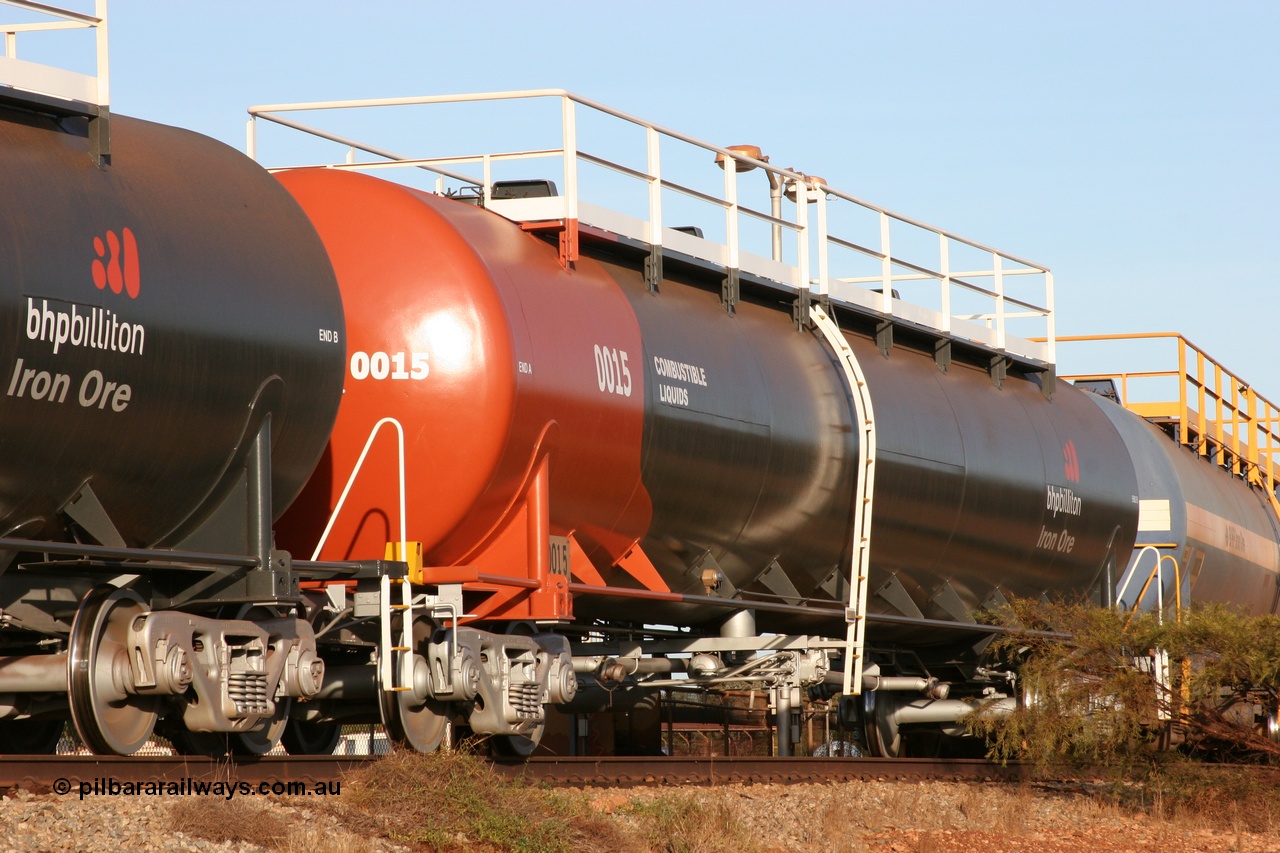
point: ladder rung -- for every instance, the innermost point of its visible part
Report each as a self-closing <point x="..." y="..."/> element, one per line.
<point x="401" y="648"/>
<point x="399" y="606"/>
<point x="400" y="689"/>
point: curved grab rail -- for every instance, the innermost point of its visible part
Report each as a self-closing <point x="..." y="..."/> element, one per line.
<point x="355" y="471"/>
<point x="388" y="651"/>
<point x="1156" y="573"/>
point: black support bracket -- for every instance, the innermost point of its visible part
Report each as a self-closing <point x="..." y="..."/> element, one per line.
<point x="653" y="269"/>
<point x="730" y="290"/>
<point x="942" y="354"/>
<point x="884" y="336"/>
<point x="100" y="137"/>
<point x="999" y="369"/>
<point x="800" y="309"/>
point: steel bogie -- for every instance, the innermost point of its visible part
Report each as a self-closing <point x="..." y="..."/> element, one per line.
<point x="516" y="677"/>
<point x="127" y="666"/>
<point x="239" y="673"/>
<point x="495" y="683"/>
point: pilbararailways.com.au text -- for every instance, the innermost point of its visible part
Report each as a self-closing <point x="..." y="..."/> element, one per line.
<point x="188" y="787"/>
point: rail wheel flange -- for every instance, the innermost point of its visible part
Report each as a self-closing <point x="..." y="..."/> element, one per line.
<point x="108" y="718"/>
<point x="414" y="718"/>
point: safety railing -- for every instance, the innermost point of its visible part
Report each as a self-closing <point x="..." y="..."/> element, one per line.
<point x="47" y="79"/>
<point x="393" y="657"/>
<point x="1157" y="576"/>
<point x="1206" y="407"/>
<point x="637" y="179"/>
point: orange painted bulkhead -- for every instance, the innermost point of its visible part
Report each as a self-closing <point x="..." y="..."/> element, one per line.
<point x="470" y="334"/>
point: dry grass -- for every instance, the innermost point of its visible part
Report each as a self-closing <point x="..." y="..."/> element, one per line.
<point x="683" y="823"/>
<point x="238" y="820"/>
<point x="454" y="802"/>
<point x="215" y="819"/>
<point x="1188" y="794"/>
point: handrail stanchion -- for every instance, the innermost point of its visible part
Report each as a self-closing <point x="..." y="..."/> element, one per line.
<point x="824" y="248"/>
<point x="1050" y="320"/>
<point x="944" y="265"/>
<point x="997" y="276"/>
<point x="802" y="234"/>
<point x="886" y="266"/>
<point x="569" y="119"/>
<point x="654" y="164"/>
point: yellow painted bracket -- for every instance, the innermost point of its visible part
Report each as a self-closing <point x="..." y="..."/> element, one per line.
<point x="413" y="558"/>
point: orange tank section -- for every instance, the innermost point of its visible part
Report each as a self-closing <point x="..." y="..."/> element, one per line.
<point x="518" y="385"/>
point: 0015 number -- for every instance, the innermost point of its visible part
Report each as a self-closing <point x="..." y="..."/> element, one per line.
<point x="380" y="365"/>
<point x="612" y="373"/>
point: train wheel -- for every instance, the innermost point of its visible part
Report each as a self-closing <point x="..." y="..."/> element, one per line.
<point x="187" y="742"/>
<point x="879" y="728"/>
<point x="219" y="744"/>
<point x="264" y="739"/>
<point x="30" y="737"/>
<point x="410" y="721"/>
<point x="517" y="746"/>
<point x="108" y="719"/>
<point x="304" y="738"/>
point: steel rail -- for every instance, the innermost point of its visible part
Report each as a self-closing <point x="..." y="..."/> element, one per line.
<point x="69" y="772"/>
<point x="44" y="771"/>
<point x="625" y="771"/>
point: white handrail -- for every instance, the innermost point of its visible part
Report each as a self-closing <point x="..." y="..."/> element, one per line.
<point x="48" y="79"/>
<point x="342" y="499"/>
<point x="841" y="264"/>
<point x="864" y="492"/>
<point x="388" y="653"/>
<point x="1136" y="562"/>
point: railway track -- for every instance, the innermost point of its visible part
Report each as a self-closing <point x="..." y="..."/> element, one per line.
<point x="661" y="770"/>
<point x="39" y="772"/>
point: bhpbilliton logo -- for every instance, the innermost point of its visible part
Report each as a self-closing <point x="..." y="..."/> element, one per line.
<point x="117" y="263"/>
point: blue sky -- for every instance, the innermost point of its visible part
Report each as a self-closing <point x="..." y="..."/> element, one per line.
<point x="1131" y="147"/>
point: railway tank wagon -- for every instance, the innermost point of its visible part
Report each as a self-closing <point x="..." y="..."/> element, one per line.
<point x="691" y="439"/>
<point x="1208" y="515"/>
<point x="166" y="395"/>
<point x="592" y="447"/>
<point x="543" y="452"/>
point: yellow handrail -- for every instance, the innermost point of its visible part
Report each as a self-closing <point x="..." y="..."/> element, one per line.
<point x="1241" y="433"/>
<point x="1155" y="572"/>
